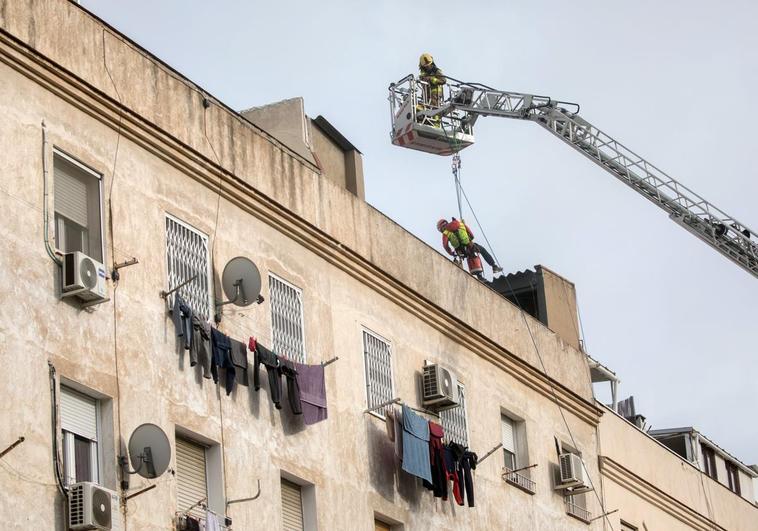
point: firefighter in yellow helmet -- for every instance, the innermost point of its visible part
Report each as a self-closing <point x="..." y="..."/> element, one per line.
<point x="434" y="79"/>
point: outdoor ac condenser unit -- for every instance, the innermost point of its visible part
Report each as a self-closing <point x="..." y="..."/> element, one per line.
<point x="90" y="506"/>
<point x="83" y="277"/>
<point x="440" y="387"/>
<point x="572" y="474"/>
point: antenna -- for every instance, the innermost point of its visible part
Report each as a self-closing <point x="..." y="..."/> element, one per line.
<point x="241" y="282"/>
<point x="149" y="454"/>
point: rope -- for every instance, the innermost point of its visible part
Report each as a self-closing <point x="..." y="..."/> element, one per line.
<point x="537" y="350"/>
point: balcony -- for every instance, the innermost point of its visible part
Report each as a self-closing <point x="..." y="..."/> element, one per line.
<point x="519" y="480"/>
<point x="578" y="512"/>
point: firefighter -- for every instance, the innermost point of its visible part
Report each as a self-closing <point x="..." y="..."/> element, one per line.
<point x="457" y="235"/>
<point x="432" y="75"/>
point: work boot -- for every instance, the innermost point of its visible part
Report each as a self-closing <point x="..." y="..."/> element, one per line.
<point x="496" y="270"/>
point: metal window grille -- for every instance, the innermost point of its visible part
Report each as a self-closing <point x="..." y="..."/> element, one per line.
<point x="287" y="330"/>
<point x="378" y="360"/>
<point x="187" y="255"/>
<point x="454" y="420"/>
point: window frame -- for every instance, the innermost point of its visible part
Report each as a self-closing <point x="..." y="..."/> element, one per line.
<point x="209" y="267"/>
<point x="377" y="412"/>
<point x="733" y="478"/>
<point x="68" y="439"/>
<point x="57" y="152"/>
<point x="462" y="405"/>
<point x="301" y="297"/>
<point x="709" y="461"/>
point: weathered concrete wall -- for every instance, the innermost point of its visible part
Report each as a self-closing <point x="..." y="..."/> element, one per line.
<point x="158" y="98"/>
<point x="560" y="302"/>
<point x="346" y="457"/>
<point x="650" y="484"/>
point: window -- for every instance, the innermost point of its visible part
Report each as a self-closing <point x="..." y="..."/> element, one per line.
<point x="454" y="420"/>
<point x="709" y="461"/>
<point x="381" y="526"/>
<point x="509" y="443"/>
<point x="187" y="257"/>
<point x="733" y="477"/>
<point x="79" y="426"/>
<point x="292" y="507"/>
<point x="191" y="476"/>
<point x="286" y="319"/>
<point x="78" y="214"/>
<point x="378" y="363"/>
<point x="515" y="455"/>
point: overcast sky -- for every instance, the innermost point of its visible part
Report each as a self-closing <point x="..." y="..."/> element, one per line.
<point x="675" y="81"/>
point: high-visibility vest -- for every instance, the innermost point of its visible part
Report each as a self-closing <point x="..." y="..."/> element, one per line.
<point x="458" y="237"/>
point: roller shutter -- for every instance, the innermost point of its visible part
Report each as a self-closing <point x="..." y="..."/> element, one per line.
<point x="78" y="414"/>
<point x="292" y="507"/>
<point x="190" y="474"/>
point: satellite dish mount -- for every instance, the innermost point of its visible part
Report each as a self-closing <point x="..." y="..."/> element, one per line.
<point x="149" y="453"/>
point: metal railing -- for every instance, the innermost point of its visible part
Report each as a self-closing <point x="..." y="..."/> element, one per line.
<point x="577" y="511"/>
<point x="519" y="480"/>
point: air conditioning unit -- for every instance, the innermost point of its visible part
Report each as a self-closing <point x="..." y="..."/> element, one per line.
<point x="439" y="387"/>
<point x="83" y="277"/>
<point x="571" y="472"/>
<point x="90" y="506"/>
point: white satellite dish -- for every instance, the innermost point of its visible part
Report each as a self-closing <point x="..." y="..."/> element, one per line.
<point x="149" y="451"/>
<point x="241" y="282"/>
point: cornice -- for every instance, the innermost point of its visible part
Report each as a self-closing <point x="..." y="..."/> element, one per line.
<point x="195" y="165"/>
<point x="655" y="496"/>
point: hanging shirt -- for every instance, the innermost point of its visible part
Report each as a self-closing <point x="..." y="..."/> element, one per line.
<point x="182" y="315"/>
<point x="416" y="445"/>
<point x="211" y="522"/>
<point x="239" y="360"/>
<point x="310" y="379"/>
<point x="200" y="350"/>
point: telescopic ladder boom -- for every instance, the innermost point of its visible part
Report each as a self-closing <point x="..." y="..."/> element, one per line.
<point x="466" y="102"/>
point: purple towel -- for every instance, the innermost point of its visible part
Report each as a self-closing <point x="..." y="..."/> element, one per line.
<point x="310" y="379"/>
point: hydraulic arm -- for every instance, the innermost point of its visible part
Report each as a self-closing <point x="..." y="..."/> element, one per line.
<point x="466" y="102"/>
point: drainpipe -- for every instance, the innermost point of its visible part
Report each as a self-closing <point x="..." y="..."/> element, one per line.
<point x="45" y="215"/>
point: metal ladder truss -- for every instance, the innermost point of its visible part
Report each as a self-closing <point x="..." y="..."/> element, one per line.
<point x="466" y="102"/>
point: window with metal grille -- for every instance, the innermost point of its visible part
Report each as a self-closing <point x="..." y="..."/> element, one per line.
<point x="292" y="507"/>
<point x="191" y="479"/>
<point x="377" y="357"/>
<point x="287" y="334"/>
<point x="454" y="420"/>
<point x="78" y="213"/>
<point x="79" y="427"/>
<point x="187" y="257"/>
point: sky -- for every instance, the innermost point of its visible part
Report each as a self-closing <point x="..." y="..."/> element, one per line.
<point x="674" y="81"/>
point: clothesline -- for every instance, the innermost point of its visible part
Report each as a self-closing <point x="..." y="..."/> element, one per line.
<point x="400" y="402"/>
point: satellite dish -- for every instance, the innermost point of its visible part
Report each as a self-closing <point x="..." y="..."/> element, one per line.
<point x="149" y="451"/>
<point x="241" y="281"/>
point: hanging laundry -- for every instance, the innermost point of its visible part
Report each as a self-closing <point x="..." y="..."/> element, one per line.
<point x="437" y="462"/>
<point x="288" y="370"/>
<point x="192" y="524"/>
<point x="416" y="445"/>
<point x="200" y="349"/>
<point x="211" y="522"/>
<point x="398" y="433"/>
<point x="312" y="385"/>
<point x="465" y="462"/>
<point x="222" y="358"/>
<point x="389" y="421"/>
<point x="451" y="471"/>
<point x="239" y="360"/>
<point x="182" y="316"/>
<point x="262" y="355"/>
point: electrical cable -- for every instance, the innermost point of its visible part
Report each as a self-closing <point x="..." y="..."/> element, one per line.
<point x="537" y="350"/>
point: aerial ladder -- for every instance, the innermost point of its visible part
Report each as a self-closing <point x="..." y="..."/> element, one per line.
<point x="448" y="128"/>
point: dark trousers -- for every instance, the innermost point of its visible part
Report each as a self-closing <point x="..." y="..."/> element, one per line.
<point x="264" y="356"/>
<point x="484" y="254"/>
<point x="287" y="368"/>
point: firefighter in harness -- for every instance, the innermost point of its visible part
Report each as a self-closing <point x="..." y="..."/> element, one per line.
<point x="458" y="241"/>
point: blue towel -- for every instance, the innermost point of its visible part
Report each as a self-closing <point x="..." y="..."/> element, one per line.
<point x="416" y="445"/>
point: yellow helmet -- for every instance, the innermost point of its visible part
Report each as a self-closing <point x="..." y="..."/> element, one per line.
<point x="425" y="60"/>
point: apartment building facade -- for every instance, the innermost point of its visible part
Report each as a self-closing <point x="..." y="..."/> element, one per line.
<point x="110" y="152"/>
